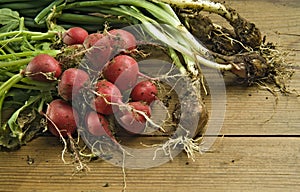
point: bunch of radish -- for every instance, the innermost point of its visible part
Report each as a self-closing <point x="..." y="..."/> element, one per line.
<point x="117" y="73"/>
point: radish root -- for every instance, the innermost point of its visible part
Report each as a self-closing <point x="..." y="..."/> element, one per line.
<point x="188" y="144"/>
<point x="81" y="166"/>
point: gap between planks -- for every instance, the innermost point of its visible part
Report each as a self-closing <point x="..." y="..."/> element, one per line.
<point x="232" y="164"/>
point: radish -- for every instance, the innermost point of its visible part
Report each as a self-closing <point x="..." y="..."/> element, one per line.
<point x="61" y="116"/>
<point x="91" y="39"/>
<point x="97" y="125"/>
<point x="71" y="81"/>
<point x="122" y="40"/>
<point x="107" y="96"/>
<point x="123" y="71"/>
<point x="74" y="35"/>
<point x="43" y="67"/>
<point x="144" y="91"/>
<point x="100" y="53"/>
<point x="132" y="119"/>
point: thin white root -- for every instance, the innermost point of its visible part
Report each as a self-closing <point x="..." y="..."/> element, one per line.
<point x="149" y="120"/>
<point x="61" y="137"/>
<point x="127" y="107"/>
<point x="97" y="149"/>
<point x="81" y="166"/>
<point x="123" y="171"/>
<point x="232" y="40"/>
<point x="190" y="146"/>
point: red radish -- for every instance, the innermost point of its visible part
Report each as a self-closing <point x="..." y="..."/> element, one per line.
<point x="97" y="125"/>
<point x="43" y="67"/>
<point x="144" y="91"/>
<point x="107" y="94"/>
<point x="91" y="39"/>
<point x="99" y="54"/>
<point x="123" y="71"/>
<point x="122" y="40"/>
<point x="71" y="81"/>
<point x="74" y="35"/>
<point x="62" y="116"/>
<point x="132" y="120"/>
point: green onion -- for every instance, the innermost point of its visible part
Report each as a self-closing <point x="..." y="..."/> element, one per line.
<point x="160" y="13"/>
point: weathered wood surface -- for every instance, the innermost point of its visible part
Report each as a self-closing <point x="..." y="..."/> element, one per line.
<point x="233" y="164"/>
<point x="252" y="155"/>
<point x="280" y="21"/>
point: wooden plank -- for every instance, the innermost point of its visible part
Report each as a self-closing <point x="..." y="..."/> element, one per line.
<point x="232" y="164"/>
<point x="278" y="19"/>
<point x="235" y="163"/>
<point x="251" y="111"/>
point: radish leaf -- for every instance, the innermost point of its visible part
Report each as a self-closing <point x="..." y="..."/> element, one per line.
<point x="9" y="20"/>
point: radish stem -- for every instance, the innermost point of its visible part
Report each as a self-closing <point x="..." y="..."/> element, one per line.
<point x="26" y="33"/>
<point x="28" y="53"/>
<point x="9" y="83"/>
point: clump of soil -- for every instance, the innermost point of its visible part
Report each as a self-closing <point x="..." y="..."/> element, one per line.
<point x="254" y="60"/>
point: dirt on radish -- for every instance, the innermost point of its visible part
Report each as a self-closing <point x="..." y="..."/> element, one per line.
<point x="113" y="74"/>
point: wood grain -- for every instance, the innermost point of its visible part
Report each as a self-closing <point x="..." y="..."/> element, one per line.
<point x="233" y="164"/>
<point x="251" y="111"/>
<point x="260" y="150"/>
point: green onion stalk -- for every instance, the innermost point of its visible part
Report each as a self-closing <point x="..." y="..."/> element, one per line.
<point x="165" y="20"/>
<point x="160" y="19"/>
<point x="161" y="13"/>
<point x="152" y="13"/>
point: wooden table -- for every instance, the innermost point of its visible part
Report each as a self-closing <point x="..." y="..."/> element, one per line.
<point x="251" y="154"/>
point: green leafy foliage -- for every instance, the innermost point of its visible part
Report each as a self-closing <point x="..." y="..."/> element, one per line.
<point x="16" y="98"/>
<point x="9" y="20"/>
<point x="13" y="123"/>
<point x="29" y="121"/>
<point x="21" y="99"/>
